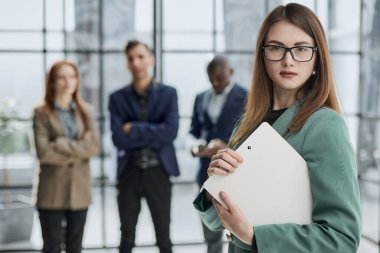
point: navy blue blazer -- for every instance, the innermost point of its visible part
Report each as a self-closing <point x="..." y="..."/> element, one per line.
<point x="158" y="133"/>
<point x="203" y="128"/>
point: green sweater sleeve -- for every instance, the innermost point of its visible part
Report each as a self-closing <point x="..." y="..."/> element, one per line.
<point x="336" y="216"/>
<point x="210" y="218"/>
<point x="207" y="212"/>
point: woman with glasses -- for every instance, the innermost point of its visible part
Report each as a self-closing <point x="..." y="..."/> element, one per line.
<point x="293" y="90"/>
<point x="65" y="138"/>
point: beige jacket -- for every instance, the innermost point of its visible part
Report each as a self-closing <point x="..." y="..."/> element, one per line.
<point x="64" y="180"/>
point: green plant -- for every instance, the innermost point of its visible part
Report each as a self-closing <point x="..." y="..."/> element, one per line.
<point x="14" y="137"/>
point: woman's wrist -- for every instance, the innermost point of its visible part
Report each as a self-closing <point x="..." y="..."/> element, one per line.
<point x="249" y="236"/>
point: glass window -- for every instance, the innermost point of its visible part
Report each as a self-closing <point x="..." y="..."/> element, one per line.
<point x="83" y="32"/>
<point x="88" y="64"/>
<point x="368" y="148"/>
<point x="51" y="58"/>
<point x="187" y="163"/>
<point x="110" y="163"/>
<point x="345" y="26"/>
<point x="125" y="20"/>
<point x="55" y="41"/>
<point x="370" y="209"/>
<point x="353" y="128"/>
<point x="116" y="75"/>
<point x="202" y="28"/>
<point x="187" y="24"/>
<point x="22" y="72"/>
<point x="240" y="37"/>
<point x="310" y="4"/>
<point x="54" y="13"/>
<point x="21" y="41"/>
<point x="370" y="25"/>
<point x="243" y="67"/>
<point x="187" y="73"/>
<point x="179" y="71"/>
<point x="345" y="67"/>
<point x="369" y="89"/>
<point x="322" y="9"/>
<point x="188" y="41"/>
<point x="21" y="15"/>
<point x="187" y="16"/>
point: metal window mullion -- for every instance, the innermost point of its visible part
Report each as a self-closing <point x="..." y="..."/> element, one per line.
<point x="214" y="32"/>
<point x="157" y="36"/>
<point x="102" y="122"/>
<point x="44" y="38"/>
<point x="64" y="29"/>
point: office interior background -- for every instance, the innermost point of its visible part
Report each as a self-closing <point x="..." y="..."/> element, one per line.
<point x="185" y="35"/>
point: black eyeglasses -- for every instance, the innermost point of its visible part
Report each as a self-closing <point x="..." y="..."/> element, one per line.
<point x="299" y="53"/>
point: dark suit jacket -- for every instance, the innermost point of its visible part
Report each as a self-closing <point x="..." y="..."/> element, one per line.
<point x="203" y="128"/>
<point x="158" y="133"/>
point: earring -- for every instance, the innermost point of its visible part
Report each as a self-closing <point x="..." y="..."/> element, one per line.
<point x="313" y="73"/>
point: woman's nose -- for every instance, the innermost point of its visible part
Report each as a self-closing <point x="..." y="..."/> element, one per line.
<point x="288" y="58"/>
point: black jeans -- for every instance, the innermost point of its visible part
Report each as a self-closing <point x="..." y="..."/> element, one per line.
<point x="155" y="186"/>
<point x="53" y="234"/>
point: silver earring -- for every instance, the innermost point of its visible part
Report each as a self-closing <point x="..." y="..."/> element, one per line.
<point x="313" y="73"/>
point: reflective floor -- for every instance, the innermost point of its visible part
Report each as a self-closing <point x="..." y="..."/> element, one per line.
<point x="185" y="228"/>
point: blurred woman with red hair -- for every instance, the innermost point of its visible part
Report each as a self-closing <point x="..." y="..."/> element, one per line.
<point x="65" y="138"/>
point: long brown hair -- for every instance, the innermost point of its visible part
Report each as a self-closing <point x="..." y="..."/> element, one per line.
<point x="317" y="92"/>
<point x="50" y="90"/>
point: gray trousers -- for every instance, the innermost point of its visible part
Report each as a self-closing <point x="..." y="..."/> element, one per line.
<point x="213" y="240"/>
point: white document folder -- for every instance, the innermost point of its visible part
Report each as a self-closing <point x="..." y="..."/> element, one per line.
<point x="272" y="184"/>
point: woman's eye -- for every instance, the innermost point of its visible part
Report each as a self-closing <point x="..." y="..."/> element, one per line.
<point x="301" y="49"/>
<point x="275" y="48"/>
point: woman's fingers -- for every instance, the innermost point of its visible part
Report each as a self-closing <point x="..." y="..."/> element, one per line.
<point x="227" y="164"/>
<point x="232" y="153"/>
<point x="219" y="209"/>
<point x="216" y="171"/>
<point x="224" y="162"/>
<point x="226" y="199"/>
<point x="222" y="213"/>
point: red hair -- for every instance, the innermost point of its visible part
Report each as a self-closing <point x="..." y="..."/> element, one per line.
<point x="50" y="91"/>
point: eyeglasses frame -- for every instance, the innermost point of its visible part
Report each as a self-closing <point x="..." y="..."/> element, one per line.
<point x="288" y="49"/>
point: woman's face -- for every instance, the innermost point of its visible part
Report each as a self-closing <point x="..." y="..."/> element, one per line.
<point x="288" y="75"/>
<point x="66" y="80"/>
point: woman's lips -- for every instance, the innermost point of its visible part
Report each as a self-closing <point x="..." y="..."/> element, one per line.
<point x="288" y="74"/>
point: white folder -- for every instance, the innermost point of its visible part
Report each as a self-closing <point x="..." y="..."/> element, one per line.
<point x="272" y="184"/>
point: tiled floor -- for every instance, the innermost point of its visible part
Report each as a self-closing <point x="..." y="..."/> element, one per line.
<point x="176" y="249"/>
<point x="185" y="227"/>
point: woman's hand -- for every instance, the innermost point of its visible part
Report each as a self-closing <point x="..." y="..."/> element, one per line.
<point x="234" y="220"/>
<point x="224" y="162"/>
<point x="88" y="135"/>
